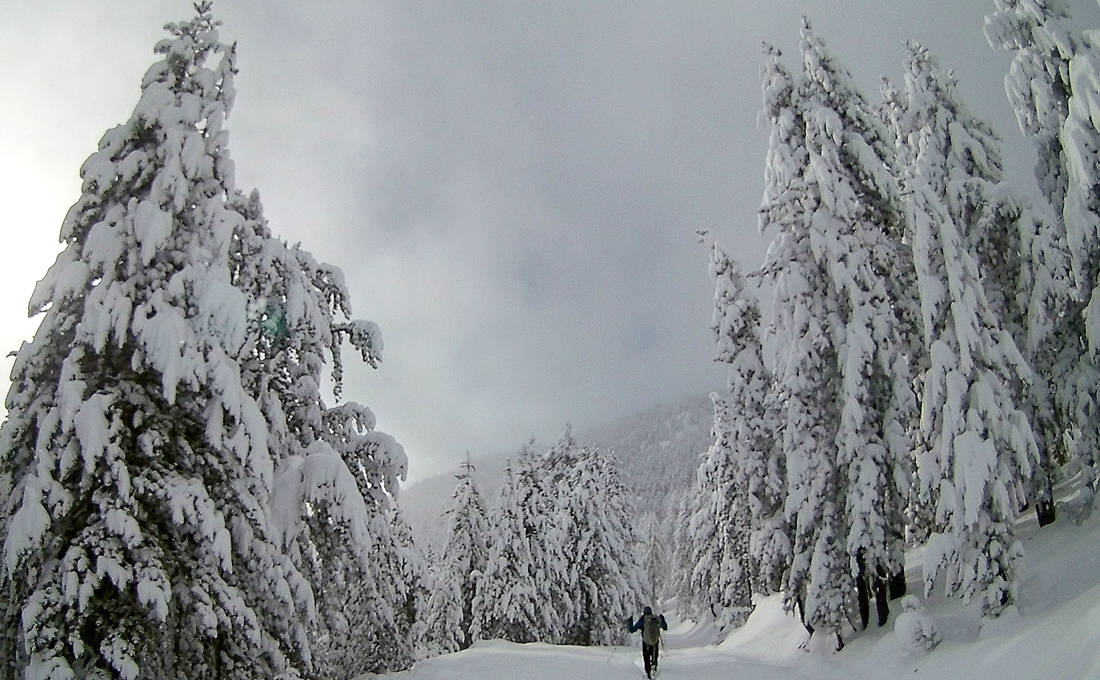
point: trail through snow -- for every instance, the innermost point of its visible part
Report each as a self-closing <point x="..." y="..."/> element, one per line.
<point x="1053" y="635"/>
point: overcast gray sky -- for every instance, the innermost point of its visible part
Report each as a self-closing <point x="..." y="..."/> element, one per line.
<point x="511" y="188"/>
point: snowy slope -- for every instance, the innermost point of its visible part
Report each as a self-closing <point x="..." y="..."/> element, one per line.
<point x="1053" y="635"/>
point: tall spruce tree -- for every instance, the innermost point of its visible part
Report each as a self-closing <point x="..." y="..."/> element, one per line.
<point x="512" y="591"/>
<point x="732" y="476"/>
<point x="780" y="209"/>
<point x="336" y="475"/>
<point x="977" y="448"/>
<point x="845" y="380"/>
<point x="450" y="609"/>
<point x="605" y="575"/>
<point x="806" y="373"/>
<point x="556" y="546"/>
<point x="1052" y="86"/>
<point x="752" y="489"/>
<point x="193" y="342"/>
<point x="137" y="460"/>
<point x="1022" y="261"/>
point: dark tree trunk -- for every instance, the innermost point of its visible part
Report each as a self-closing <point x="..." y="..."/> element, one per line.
<point x="862" y="596"/>
<point x="882" y="598"/>
<point x="897" y="584"/>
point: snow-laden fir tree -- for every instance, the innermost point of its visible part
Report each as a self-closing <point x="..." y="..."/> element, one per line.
<point x="450" y="608"/>
<point x="654" y="534"/>
<point x="336" y="517"/>
<point x="172" y="280"/>
<point x="721" y="576"/>
<point x="335" y="475"/>
<point x="136" y="461"/>
<point x="787" y="264"/>
<point x="750" y="489"/>
<point x="977" y="450"/>
<point x="1053" y="87"/>
<point x="511" y="596"/>
<point x="839" y="269"/>
<point x="600" y="552"/>
<point x="556" y="544"/>
<point x="1023" y="262"/>
<point x="806" y="369"/>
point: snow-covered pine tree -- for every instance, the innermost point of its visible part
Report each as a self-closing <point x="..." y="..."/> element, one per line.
<point x="1053" y="87"/>
<point x="746" y="494"/>
<point x="1022" y="260"/>
<point x="681" y="565"/>
<point x="330" y="498"/>
<point x="722" y="573"/>
<point x="788" y="264"/>
<point x="134" y="537"/>
<point x="703" y="544"/>
<point x="861" y="225"/>
<point x="510" y="594"/>
<point x="555" y="548"/>
<point x="605" y="573"/>
<point x="336" y="515"/>
<point x="450" y="608"/>
<point x="655" y="537"/>
<point x="806" y="370"/>
<point x="977" y="448"/>
<point x="845" y="380"/>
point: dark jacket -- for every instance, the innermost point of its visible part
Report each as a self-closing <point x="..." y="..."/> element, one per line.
<point x="640" y="623"/>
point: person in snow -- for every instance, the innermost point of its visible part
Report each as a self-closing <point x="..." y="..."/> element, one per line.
<point x="651" y="626"/>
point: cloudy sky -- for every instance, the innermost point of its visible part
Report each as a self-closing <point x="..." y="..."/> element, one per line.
<point x="511" y="188"/>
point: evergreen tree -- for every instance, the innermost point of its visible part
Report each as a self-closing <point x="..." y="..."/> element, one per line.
<point x="1022" y="261"/>
<point x="330" y="497"/>
<point x="555" y="551"/>
<point x="845" y="379"/>
<point x="788" y="264"/>
<point x="747" y="493"/>
<point x="136" y="459"/>
<point x="605" y="576"/>
<point x="1053" y="88"/>
<point x="977" y="447"/>
<point x="511" y="593"/>
<point x="335" y="513"/>
<point x="655" y="536"/>
<point x="450" y="609"/>
<point x="203" y="338"/>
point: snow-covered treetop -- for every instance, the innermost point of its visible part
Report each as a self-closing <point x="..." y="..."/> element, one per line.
<point x="1041" y="25"/>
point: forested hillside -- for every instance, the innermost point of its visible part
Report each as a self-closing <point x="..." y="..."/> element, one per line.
<point x="657" y="451"/>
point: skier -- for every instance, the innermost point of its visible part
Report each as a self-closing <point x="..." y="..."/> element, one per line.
<point x="651" y="626"/>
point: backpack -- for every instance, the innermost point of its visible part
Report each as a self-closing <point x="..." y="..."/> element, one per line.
<point x="651" y="629"/>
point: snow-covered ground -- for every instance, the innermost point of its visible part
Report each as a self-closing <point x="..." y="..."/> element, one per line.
<point x="1053" y="635"/>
